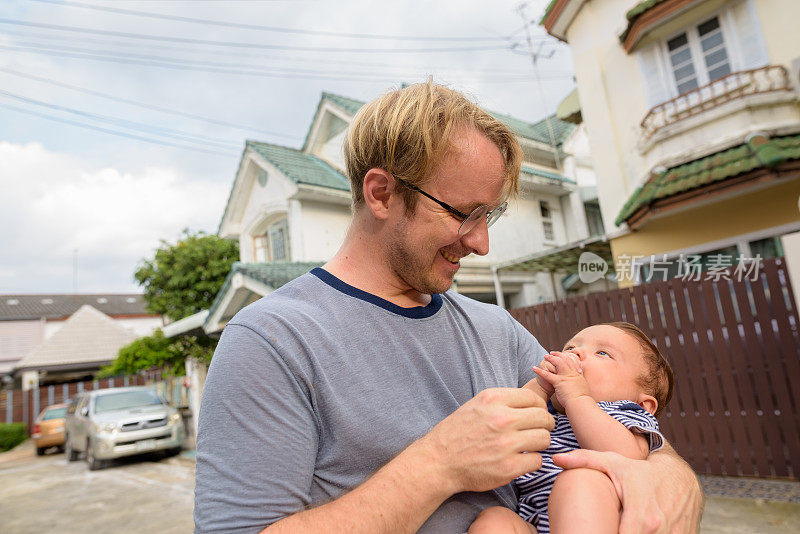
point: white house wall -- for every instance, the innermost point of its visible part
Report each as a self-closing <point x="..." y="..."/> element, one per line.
<point x="613" y="90"/>
<point x="324" y="227"/>
<point x="265" y="204"/>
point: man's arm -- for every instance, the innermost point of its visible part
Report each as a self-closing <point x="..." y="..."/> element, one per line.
<point x="479" y="447"/>
<point x="660" y="494"/>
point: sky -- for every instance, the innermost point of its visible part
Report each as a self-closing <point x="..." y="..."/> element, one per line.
<point x="122" y="122"/>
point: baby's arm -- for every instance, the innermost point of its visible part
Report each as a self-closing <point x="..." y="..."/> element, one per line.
<point x="593" y="428"/>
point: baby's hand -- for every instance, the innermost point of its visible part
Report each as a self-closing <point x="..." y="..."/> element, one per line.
<point x="546" y="386"/>
<point x="567" y="380"/>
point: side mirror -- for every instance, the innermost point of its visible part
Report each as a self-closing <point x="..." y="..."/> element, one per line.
<point x="85" y="411"/>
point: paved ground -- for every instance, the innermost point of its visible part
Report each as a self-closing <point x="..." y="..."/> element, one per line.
<point x="156" y="495"/>
<point x="43" y="494"/>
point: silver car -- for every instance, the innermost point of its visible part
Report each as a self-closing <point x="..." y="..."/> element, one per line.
<point x="112" y="423"/>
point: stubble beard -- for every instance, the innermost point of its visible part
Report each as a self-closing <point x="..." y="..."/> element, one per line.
<point x="410" y="267"/>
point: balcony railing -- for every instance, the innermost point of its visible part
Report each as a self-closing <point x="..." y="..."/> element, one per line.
<point x="767" y="79"/>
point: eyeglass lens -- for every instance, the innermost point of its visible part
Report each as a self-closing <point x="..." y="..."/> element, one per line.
<point x="477" y="214"/>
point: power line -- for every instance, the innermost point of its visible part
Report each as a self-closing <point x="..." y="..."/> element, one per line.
<point x="245" y="45"/>
<point x="154" y="130"/>
<point x="258" y="27"/>
<point x="142" y="104"/>
<point x="113" y="132"/>
<point x="181" y="64"/>
<point x="107" y="45"/>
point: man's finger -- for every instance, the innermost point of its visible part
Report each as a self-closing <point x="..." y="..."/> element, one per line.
<point x="532" y="418"/>
<point x="584" y="458"/>
<point x="511" y="397"/>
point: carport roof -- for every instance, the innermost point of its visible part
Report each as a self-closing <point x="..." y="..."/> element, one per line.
<point x="562" y="259"/>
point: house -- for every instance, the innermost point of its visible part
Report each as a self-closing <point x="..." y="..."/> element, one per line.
<point x="26" y="321"/>
<point x="87" y="341"/>
<point x="692" y="111"/>
<point x="290" y="208"/>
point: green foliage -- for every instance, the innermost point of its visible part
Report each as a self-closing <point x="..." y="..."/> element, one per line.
<point x="11" y="435"/>
<point x="160" y="351"/>
<point x="184" y="278"/>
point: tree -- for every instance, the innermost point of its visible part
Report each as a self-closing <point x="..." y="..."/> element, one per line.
<point x="184" y="278"/>
<point x="157" y="350"/>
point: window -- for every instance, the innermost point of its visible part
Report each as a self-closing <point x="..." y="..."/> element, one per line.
<point x="273" y="245"/>
<point x="547" y="220"/>
<point x="698" y="56"/>
<point x="766" y="248"/>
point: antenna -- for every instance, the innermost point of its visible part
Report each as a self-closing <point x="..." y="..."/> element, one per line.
<point x="535" y="56"/>
<point x="75" y="271"/>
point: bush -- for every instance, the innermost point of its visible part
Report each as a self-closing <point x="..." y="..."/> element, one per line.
<point x="11" y="435"/>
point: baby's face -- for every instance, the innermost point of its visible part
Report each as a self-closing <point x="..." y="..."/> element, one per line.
<point x="611" y="361"/>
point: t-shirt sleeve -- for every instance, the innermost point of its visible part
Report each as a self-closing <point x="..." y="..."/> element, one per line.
<point x="257" y="438"/>
<point x="529" y="351"/>
<point x="637" y="419"/>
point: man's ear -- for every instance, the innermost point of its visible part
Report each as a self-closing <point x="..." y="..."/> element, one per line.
<point x="648" y="402"/>
<point x="378" y="189"/>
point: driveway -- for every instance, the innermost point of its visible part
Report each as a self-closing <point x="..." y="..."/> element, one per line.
<point x="45" y="493"/>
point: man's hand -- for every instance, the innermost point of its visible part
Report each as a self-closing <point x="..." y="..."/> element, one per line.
<point x="658" y="495"/>
<point x="567" y="380"/>
<point x="489" y="440"/>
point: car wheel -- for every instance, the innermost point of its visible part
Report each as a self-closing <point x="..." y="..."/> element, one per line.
<point x="69" y="452"/>
<point x="40" y="451"/>
<point x="172" y="452"/>
<point x="94" y="463"/>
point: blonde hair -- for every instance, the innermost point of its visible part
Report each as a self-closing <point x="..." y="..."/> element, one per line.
<point x="407" y="132"/>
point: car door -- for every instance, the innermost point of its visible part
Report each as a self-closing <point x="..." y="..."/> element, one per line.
<point x="81" y="420"/>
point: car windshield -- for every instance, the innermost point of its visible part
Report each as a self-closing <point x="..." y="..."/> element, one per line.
<point x="125" y="400"/>
<point x="54" y="413"/>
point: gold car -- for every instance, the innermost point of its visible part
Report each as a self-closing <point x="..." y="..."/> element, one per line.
<point x="48" y="430"/>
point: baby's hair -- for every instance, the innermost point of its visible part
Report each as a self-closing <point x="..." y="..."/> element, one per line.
<point x="659" y="380"/>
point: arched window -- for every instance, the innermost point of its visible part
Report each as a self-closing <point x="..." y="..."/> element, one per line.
<point x="273" y="244"/>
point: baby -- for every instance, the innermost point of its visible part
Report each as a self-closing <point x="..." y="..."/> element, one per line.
<point x="605" y="389"/>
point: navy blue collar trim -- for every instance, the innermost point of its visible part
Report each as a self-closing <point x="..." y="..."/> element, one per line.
<point x="418" y="312"/>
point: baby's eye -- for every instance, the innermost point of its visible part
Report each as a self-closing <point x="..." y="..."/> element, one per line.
<point x="603" y="353"/>
<point x="570" y="347"/>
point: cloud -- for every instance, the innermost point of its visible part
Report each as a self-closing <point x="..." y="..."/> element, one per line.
<point x="54" y="203"/>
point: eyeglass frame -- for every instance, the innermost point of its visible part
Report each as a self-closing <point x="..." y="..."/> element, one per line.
<point x="458" y="213"/>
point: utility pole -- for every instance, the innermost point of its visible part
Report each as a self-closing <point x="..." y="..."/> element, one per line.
<point x="75" y="271"/>
<point x="535" y="56"/>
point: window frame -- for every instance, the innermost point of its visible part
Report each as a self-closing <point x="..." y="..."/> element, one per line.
<point x="267" y="234"/>
<point x="729" y="36"/>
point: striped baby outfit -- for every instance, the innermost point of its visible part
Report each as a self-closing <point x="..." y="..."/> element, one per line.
<point x="534" y="488"/>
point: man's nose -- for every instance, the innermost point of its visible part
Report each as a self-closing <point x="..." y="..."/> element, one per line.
<point x="477" y="239"/>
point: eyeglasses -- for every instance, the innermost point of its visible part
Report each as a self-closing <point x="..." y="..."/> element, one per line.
<point x="468" y="221"/>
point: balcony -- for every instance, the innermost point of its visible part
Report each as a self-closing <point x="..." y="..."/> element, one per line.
<point x="770" y="79"/>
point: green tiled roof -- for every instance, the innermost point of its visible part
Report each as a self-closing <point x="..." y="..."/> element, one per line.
<point x="547" y="10"/>
<point x="544" y="174"/>
<point x="755" y="154"/>
<point x="348" y="104"/>
<point x="536" y="131"/>
<point x="273" y="274"/>
<point x="634" y="13"/>
<point x="301" y="168"/>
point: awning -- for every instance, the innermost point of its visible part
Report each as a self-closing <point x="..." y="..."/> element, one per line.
<point x="562" y="259"/>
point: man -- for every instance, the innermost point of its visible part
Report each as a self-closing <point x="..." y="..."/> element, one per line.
<point x="364" y="396"/>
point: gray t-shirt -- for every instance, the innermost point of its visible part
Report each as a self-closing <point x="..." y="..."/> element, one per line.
<point x="316" y="386"/>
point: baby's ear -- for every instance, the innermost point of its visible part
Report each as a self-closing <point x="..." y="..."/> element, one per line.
<point x="648" y="402"/>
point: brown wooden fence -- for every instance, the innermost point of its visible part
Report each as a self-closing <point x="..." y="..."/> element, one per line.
<point x="735" y="349"/>
<point x="17" y="406"/>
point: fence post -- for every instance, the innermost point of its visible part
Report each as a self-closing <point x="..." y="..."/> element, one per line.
<point x="10" y="406"/>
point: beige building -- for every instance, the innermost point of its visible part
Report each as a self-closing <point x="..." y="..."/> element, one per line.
<point x="692" y="109"/>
